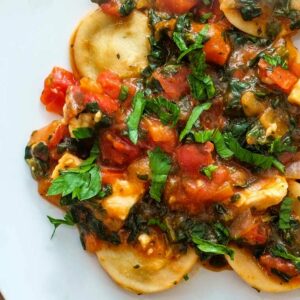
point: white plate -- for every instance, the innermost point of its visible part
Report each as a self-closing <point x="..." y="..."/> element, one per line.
<point x="34" y="38"/>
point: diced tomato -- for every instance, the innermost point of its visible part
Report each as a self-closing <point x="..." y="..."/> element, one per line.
<point x="217" y="50"/>
<point x="176" y="7"/>
<point x="111" y="83"/>
<point x="46" y="133"/>
<point x="276" y="263"/>
<point x="257" y="235"/>
<point x="281" y="78"/>
<point x="92" y="243"/>
<point x="160" y="135"/>
<point x="295" y="68"/>
<point x="116" y="150"/>
<point x="109" y="175"/>
<point x="55" y="88"/>
<point x="191" y="158"/>
<point x="174" y="86"/>
<point x="107" y="104"/>
<point x="111" y="8"/>
<point x="59" y="134"/>
<point x="213" y="118"/>
<point x="191" y="192"/>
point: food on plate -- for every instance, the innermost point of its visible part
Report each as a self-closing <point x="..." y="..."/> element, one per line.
<point x="178" y="141"/>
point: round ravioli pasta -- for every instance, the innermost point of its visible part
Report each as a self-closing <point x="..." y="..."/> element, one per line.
<point x="102" y="42"/>
<point x="256" y="27"/>
<point x="247" y="267"/>
<point x="144" y="274"/>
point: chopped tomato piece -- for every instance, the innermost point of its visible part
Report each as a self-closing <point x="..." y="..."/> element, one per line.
<point x="111" y="83"/>
<point x="217" y="50"/>
<point x="283" y="79"/>
<point x="276" y="263"/>
<point x="257" y="235"/>
<point x="111" y="8"/>
<point x="92" y="243"/>
<point x="213" y="118"/>
<point x="176" y="7"/>
<point x="55" y="89"/>
<point x="160" y="135"/>
<point x="176" y="85"/>
<point x="191" y="158"/>
<point x="192" y="192"/>
<point x="109" y="175"/>
<point x="116" y="150"/>
<point x="107" y="104"/>
<point x="46" y="133"/>
<point x="59" y="134"/>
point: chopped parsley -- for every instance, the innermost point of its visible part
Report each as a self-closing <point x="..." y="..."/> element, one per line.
<point x="160" y="165"/>
<point x="211" y="248"/>
<point x="139" y="103"/>
<point x="196" y="113"/>
<point x="280" y="251"/>
<point x="83" y="133"/>
<point x="285" y="213"/>
<point x="68" y="220"/>
<point x="82" y="183"/>
<point x="209" y="170"/>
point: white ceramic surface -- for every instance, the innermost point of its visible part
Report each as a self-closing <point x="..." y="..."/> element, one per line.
<point x="34" y="38"/>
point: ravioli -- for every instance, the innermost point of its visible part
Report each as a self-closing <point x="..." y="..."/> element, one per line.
<point x="257" y="26"/>
<point x="141" y="273"/>
<point x="247" y="267"/>
<point x="102" y="42"/>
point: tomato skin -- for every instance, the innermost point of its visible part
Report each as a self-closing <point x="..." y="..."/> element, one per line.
<point x="174" y="86"/>
<point x="116" y="150"/>
<point x="55" y="89"/>
<point x="191" y="158"/>
<point x="176" y="7"/>
<point x="111" y="83"/>
<point x="284" y="266"/>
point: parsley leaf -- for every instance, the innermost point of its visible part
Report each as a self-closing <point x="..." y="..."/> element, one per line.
<point x="210" y="247"/>
<point x="244" y="155"/>
<point x="167" y="111"/>
<point x="127" y="7"/>
<point x="279" y="251"/>
<point x="279" y="146"/>
<point x="275" y="60"/>
<point x="124" y="93"/>
<point x="217" y="138"/>
<point x="200" y="39"/>
<point x="196" y="113"/>
<point x="160" y="165"/>
<point x="201" y="84"/>
<point x="83" y="133"/>
<point x="68" y="220"/>
<point x="139" y="103"/>
<point x="82" y="183"/>
<point x="209" y="170"/>
<point x="285" y="214"/>
<point x="249" y="9"/>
